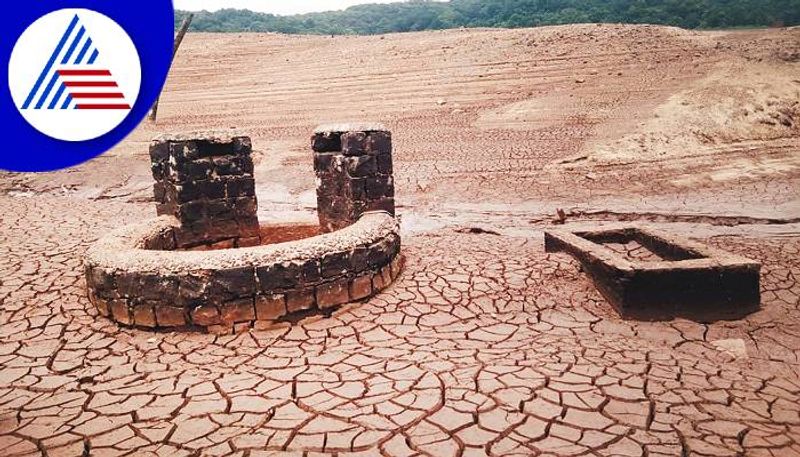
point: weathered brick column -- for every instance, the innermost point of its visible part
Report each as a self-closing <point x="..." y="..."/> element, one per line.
<point x="353" y="165"/>
<point x="206" y="181"/>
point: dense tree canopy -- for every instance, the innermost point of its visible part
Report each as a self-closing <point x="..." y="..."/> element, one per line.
<point x="430" y="15"/>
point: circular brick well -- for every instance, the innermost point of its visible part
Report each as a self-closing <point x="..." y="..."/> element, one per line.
<point x="205" y="261"/>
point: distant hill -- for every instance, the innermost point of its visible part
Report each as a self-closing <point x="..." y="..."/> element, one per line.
<point x="417" y="15"/>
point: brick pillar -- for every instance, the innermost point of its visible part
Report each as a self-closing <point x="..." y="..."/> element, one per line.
<point x="353" y="165"/>
<point x="206" y="181"/>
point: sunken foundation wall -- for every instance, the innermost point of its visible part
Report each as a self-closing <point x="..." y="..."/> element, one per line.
<point x="134" y="283"/>
<point x="692" y="280"/>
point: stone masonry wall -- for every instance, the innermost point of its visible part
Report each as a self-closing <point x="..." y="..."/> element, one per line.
<point x="693" y="280"/>
<point x="205" y="192"/>
<point x="353" y="165"/>
<point x="206" y="181"/>
<point x="222" y="289"/>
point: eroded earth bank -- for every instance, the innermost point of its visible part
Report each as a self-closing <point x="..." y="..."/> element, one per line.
<point x="484" y="345"/>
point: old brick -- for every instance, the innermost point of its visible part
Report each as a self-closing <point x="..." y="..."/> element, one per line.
<point x="171" y="192"/>
<point x="361" y="287"/>
<point x="323" y="162"/>
<point x="326" y="142"/>
<point x="227" y="166"/>
<point x="270" y="306"/>
<point x="192" y="287"/>
<point x="213" y="149"/>
<point x="245" y="207"/>
<point x="159" y="151"/>
<point x="332" y="293"/>
<point x="245" y="164"/>
<point x="310" y="272"/>
<point x="168" y="240"/>
<point x="186" y="192"/>
<point x="379" y="254"/>
<point x="354" y="143"/>
<point x="356" y="188"/>
<point x="378" y="282"/>
<point x="176" y="151"/>
<point x="217" y="229"/>
<point x="199" y="169"/>
<point x="379" y="143"/>
<point x="297" y="300"/>
<point x="358" y="259"/>
<point x="381" y="204"/>
<point x="241" y="327"/>
<point x="100" y="303"/>
<point x="242" y="145"/>
<point x="203" y="232"/>
<point x="192" y="211"/>
<point x="240" y="310"/>
<point x="361" y="166"/>
<point x="164" y="241"/>
<point x="210" y="189"/>
<point x="234" y="282"/>
<point x="240" y="187"/>
<point x="159" y="192"/>
<point x="170" y="316"/>
<point x="154" y="287"/>
<point x="120" y="311"/>
<point x="278" y="277"/>
<point x="394" y="244"/>
<point x="329" y="184"/>
<point x="101" y="279"/>
<point x="160" y="173"/>
<point x="334" y="264"/>
<point x="223" y="244"/>
<point x="128" y="284"/>
<point x="263" y="325"/>
<point x="183" y="151"/>
<point x="144" y="315"/>
<point x="396" y="266"/>
<point x="384" y="162"/>
<point x="386" y="275"/>
<point x="247" y="227"/>
<point x="205" y="315"/>
<point x="379" y="186"/>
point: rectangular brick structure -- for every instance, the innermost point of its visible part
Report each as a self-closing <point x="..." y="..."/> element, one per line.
<point x="690" y="279"/>
<point x="206" y="181"/>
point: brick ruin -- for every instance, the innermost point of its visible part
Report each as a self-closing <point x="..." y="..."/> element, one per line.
<point x="682" y="278"/>
<point x="205" y="181"/>
<point x="205" y="261"/>
<point x="353" y="164"/>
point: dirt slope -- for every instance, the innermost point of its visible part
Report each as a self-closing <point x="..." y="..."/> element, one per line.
<point x="485" y="345"/>
<point x="586" y="116"/>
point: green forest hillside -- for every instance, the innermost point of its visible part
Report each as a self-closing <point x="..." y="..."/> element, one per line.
<point x="432" y="15"/>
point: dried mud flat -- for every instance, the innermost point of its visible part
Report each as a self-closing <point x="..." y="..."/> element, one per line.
<point x="485" y="345"/>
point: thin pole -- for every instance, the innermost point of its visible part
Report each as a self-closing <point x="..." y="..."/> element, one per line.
<point x="181" y="32"/>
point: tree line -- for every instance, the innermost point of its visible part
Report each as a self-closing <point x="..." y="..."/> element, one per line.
<point x="417" y="15"/>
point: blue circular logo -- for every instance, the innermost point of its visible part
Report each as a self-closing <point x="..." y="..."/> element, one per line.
<point x="81" y="77"/>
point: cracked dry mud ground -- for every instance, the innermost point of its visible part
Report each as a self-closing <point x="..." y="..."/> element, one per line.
<point x="485" y="345"/>
<point x="498" y="350"/>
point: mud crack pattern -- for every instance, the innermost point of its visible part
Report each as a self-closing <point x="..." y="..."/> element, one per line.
<point x="492" y="349"/>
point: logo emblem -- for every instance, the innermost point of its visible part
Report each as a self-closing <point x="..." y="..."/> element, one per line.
<point x="74" y="74"/>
